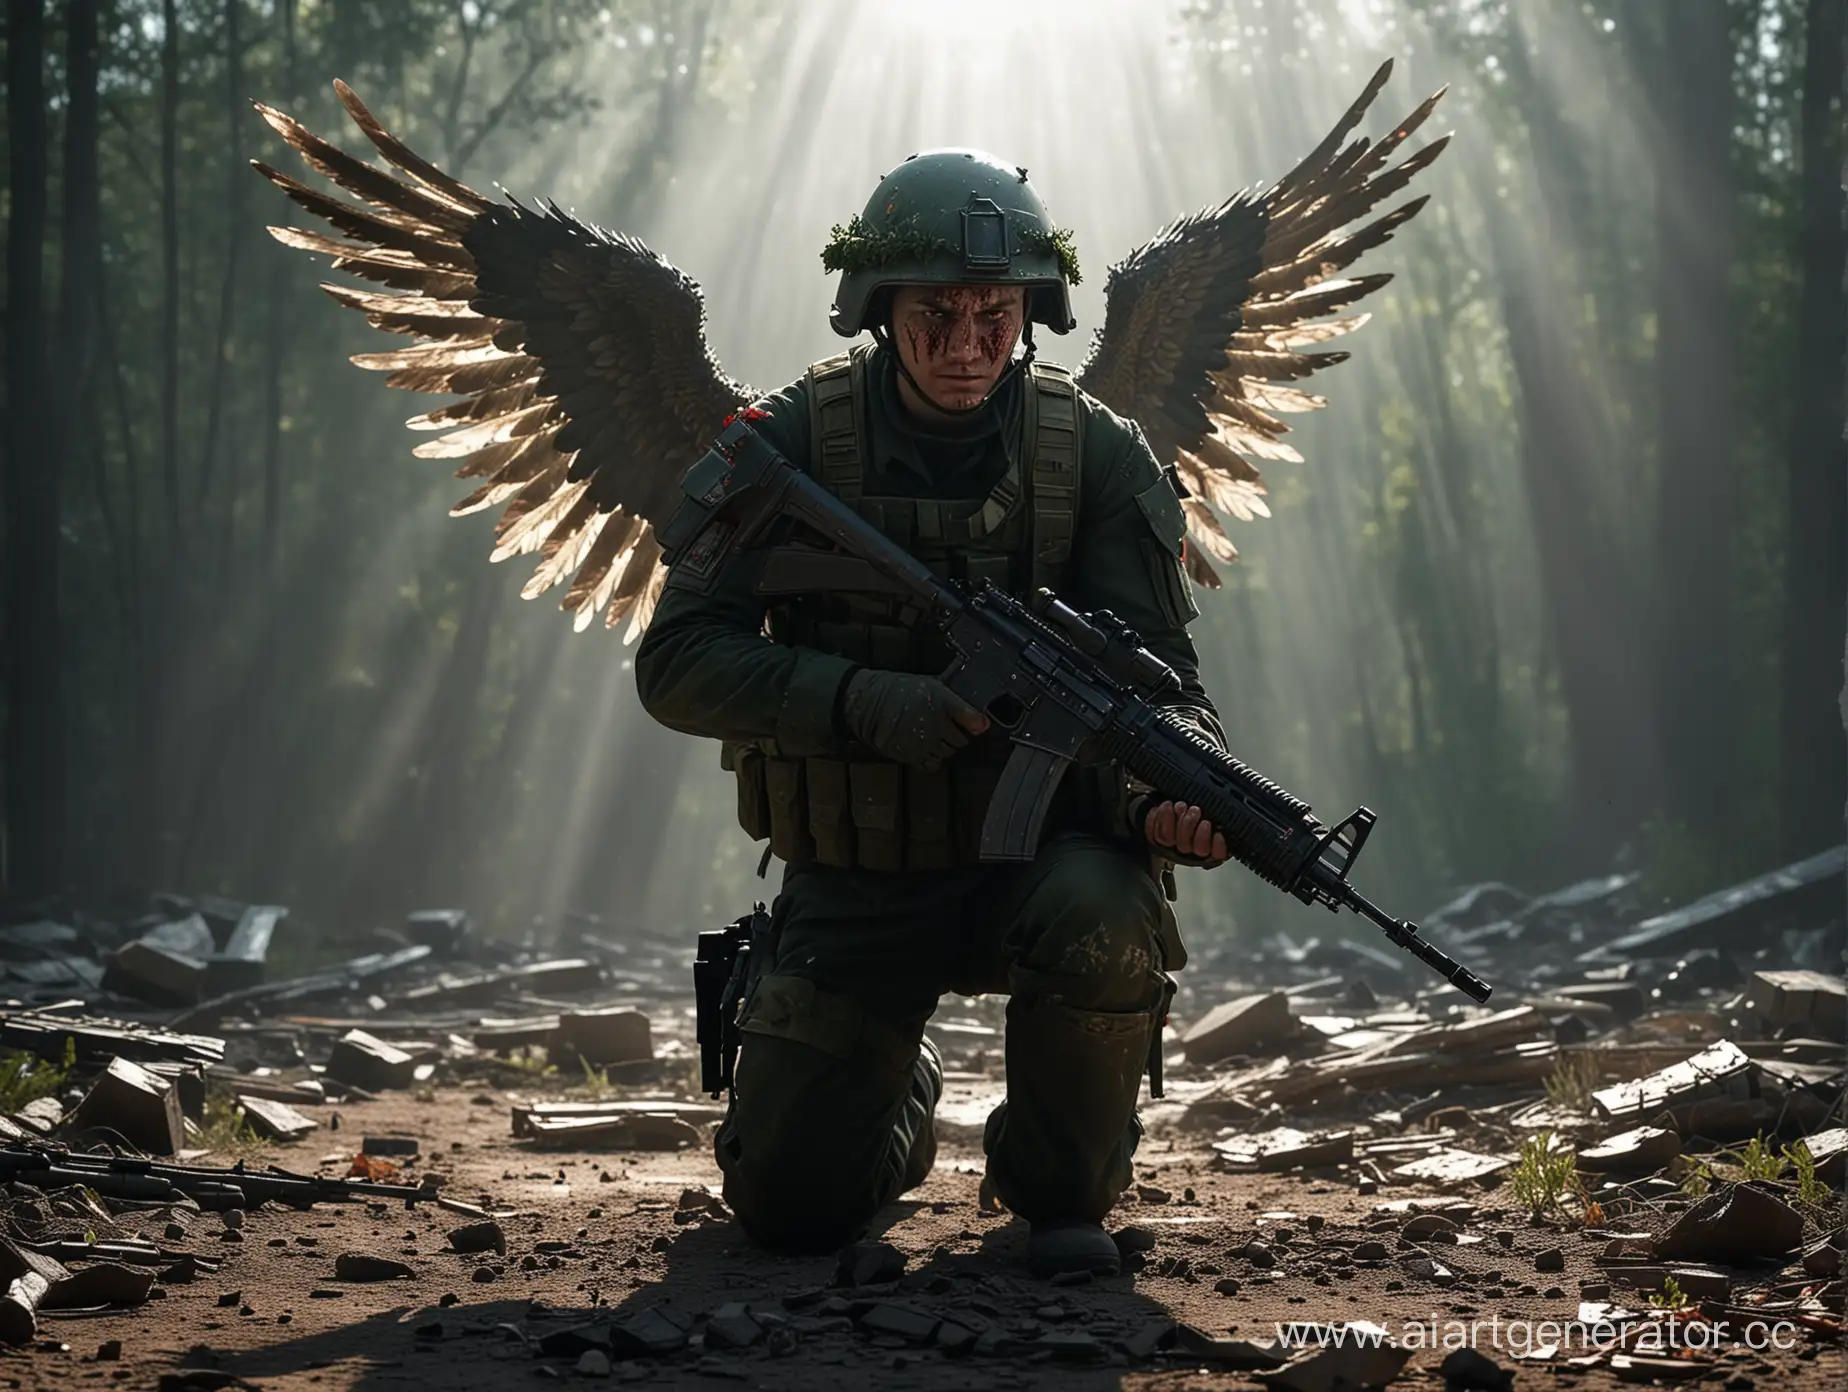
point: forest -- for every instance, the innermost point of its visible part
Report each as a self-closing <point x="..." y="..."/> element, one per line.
<point x="1558" y="587"/>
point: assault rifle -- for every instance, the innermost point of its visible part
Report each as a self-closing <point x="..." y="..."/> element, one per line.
<point x="1065" y="687"/>
<point x="138" y="1180"/>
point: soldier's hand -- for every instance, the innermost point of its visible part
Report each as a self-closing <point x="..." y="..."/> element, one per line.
<point x="914" y="719"/>
<point x="1182" y="828"/>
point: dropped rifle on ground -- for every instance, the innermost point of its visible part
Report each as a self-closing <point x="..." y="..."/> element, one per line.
<point x="212" y="1188"/>
<point x="1065" y="687"/>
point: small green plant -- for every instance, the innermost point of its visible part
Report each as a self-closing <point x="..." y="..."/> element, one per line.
<point x="1759" y="1160"/>
<point x="1762" y="1161"/>
<point x="596" y="1084"/>
<point x="1574" y="1078"/>
<point x="25" y="1077"/>
<point x="1812" y="1192"/>
<point x="1671" y="1296"/>
<point x="1544" y="1176"/>
<point x="532" y="1061"/>
<point x="225" y="1129"/>
<point x="1697" y="1181"/>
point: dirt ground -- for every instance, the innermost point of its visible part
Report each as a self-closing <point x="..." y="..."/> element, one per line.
<point x="595" y="1237"/>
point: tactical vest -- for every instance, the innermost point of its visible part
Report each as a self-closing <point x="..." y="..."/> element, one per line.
<point x="861" y="810"/>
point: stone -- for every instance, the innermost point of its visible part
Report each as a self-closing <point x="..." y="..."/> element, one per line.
<point x="1552" y="1259"/>
<point x="362" y="1266"/>
<point x="1466" y="1368"/>
<point x="869" y="1264"/>
<point x="731" y="1326"/>
<point x="592" y="1363"/>
<point x="478" y="1237"/>
<point x="906" y="1322"/>
<point x="1737" y="1222"/>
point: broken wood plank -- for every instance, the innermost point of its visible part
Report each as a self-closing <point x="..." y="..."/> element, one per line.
<point x="443" y="931"/>
<point x="1452" y="1166"/>
<point x="277" y="1121"/>
<point x="368" y="1062"/>
<point x="1240" y="1026"/>
<point x="1640" y="1150"/>
<point x="525" y="1113"/>
<point x="241" y="964"/>
<point x="1810" y="999"/>
<point x="1714" y="1071"/>
<point x="598" y="1038"/>
<point x="636" y="1131"/>
<point x="137" y="1105"/>
<point x="1806" y="891"/>
<point x="564" y="976"/>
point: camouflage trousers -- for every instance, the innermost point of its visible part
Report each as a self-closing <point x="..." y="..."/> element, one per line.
<point x="824" y="1124"/>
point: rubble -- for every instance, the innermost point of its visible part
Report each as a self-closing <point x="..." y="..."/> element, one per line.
<point x="1309" y="1068"/>
<point x="1239" y="1026"/>
<point x="141" y="1107"/>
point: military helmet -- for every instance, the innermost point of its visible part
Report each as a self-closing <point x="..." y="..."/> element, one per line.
<point x="952" y="217"/>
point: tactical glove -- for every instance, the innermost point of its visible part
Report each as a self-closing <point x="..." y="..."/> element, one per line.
<point x="914" y="719"/>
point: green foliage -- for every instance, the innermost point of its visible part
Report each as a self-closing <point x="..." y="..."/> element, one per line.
<point x="1759" y="1160"/>
<point x="1544" y="1176"/>
<point x="1573" y="1080"/>
<point x="1058" y="243"/>
<point x="859" y="246"/>
<point x="1671" y="1296"/>
<point x="25" y="1077"/>
<point x="1813" y="1192"/>
<point x="226" y="1130"/>
<point x="596" y="1085"/>
<point x="532" y="1061"/>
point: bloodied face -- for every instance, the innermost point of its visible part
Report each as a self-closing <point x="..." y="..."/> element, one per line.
<point x="956" y="340"/>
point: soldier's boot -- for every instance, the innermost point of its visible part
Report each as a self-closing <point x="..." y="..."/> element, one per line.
<point x="1059" y="1148"/>
<point x="916" y="1125"/>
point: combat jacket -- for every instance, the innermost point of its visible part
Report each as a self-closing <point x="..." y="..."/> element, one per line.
<point x="766" y="676"/>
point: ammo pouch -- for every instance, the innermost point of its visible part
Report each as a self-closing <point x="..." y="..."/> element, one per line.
<point x="863" y="813"/>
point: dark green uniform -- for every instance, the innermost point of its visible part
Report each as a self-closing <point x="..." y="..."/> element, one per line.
<point x="884" y="906"/>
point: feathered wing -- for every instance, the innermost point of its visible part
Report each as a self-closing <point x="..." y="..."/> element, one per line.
<point x="1202" y="323"/>
<point x="580" y="356"/>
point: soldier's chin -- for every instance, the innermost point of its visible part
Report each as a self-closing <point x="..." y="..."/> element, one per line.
<point x="958" y="396"/>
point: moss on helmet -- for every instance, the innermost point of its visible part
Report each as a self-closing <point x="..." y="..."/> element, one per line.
<point x="1058" y="243"/>
<point x="859" y="246"/>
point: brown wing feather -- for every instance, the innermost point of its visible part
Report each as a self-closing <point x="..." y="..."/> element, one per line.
<point x="581" y="358"/>
<point x="1202" y="322"/>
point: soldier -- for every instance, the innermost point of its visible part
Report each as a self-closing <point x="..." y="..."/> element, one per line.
<point x="870" y="778"/>
<point x="587" y="390"/>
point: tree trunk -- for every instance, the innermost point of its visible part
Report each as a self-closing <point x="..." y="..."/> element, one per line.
<point x="80" y="261"/>
<point x="35" y="791"/>
<point x="280" y="267"/>
<point x="1813" y="782"/>
<point x="237" y="174"/>
<point x="1697" y="709"/>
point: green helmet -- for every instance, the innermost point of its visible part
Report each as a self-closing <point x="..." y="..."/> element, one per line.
<point x="952" y="217"/>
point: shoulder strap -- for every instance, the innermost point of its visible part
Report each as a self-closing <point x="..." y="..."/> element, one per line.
<point x="1052" y="444"/>
<point x="837" y="400"/>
